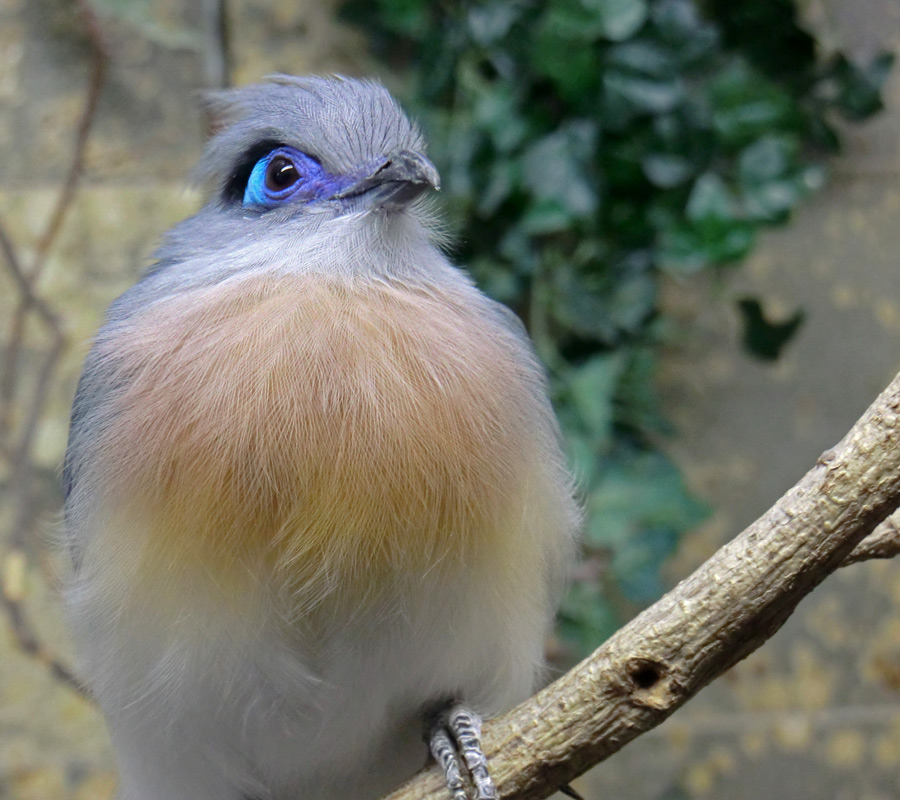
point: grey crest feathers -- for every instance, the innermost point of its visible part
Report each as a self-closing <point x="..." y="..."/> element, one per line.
<point x="345" y="123"/>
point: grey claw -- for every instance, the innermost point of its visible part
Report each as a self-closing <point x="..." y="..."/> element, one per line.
<point x="444" y="753"/>
<point x="465" y="727"/>
<point x="455" y="738"/>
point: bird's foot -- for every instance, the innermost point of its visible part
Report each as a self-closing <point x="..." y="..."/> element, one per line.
<point x="454" y="739"/>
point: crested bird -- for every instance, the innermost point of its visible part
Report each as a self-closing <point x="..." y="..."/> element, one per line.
<point x="316" y="499"/>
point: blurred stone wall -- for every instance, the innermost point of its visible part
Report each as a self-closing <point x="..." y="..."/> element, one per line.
<point x="816" y="713"/>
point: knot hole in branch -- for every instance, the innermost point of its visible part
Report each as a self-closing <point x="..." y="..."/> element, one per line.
<point x="646" y="676"/>
<point x="650" y="683"/>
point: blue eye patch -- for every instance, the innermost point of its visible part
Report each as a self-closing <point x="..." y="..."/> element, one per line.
<point x="286" y="175"/>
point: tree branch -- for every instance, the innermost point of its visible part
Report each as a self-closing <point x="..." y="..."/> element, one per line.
<point x="732" y="604"/>
<point x="883" y="542"/>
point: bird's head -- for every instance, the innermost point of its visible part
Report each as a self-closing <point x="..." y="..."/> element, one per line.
<point x="315" y="173"/>
<point x="299" y="146"/>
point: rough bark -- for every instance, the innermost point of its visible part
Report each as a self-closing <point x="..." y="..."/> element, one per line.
<point x="732" y="604"/>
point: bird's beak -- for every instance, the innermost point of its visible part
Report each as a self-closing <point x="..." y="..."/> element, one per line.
<point x="398" y="180"/>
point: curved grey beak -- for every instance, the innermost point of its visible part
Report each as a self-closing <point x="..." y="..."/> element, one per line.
<point x="396" y="181"/>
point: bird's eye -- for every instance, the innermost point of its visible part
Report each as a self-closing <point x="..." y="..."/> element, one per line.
<point x="280" y="174"/>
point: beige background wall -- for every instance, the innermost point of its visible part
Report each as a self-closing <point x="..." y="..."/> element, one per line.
<point x="817" y="712"/>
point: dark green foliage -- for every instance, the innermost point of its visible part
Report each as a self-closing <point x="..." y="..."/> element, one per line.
<point x="587" y="147"/>
<point x="763" y="338"/>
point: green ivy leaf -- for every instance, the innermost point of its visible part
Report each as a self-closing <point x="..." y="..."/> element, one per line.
<point x="637" y="566"/>
<point x="494" y="111"/>
<point x="773" y="201"/>
<point x="639" y="94"/>
<point x="772" y="180"/>
<point x="503" y="177"/>
<point x="685" y="249"/>
<point x="555" y="170"/>
<point x="746" y="105"/>
<point x="586" y="616"/>
<point x="593" y="386"/>
<point x="639" y="490"/>
<point x="710" y="200"/>
<point x="636" y="404"/>
<point x="618" y="19"/>
<point x="559" y="52"/>
<point x="665" y="171"/>
<point x="763" y="337"/>
<point x="856" y="90"/>
<point x="768" y="158"/>
<point x="491" y="22"/>
<point x="603" y="305"/>
<point x="691" y="38"/>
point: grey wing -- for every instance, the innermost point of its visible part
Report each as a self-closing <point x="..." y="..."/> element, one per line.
<point x="510" y="320"/>
<point x="76" y="421"/>
<point x="571" y="516"/>
<point x="99" y="380"/>
<point x="90" y="413"/>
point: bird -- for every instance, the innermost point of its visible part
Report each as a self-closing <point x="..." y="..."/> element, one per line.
<point x="317" y="507"/>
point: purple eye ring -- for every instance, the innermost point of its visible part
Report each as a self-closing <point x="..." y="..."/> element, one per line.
<point x="278" y="176"/>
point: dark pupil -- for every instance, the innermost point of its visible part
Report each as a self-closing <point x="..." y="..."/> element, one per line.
<point x="280" y="174"/>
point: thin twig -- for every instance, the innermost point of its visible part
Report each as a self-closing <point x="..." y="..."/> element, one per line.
<point x="20" y="455"/>
<point x="14" y="340"/>
<point x="28" y="642"/>
<point x="99" y="60"/>
<point x="883" y="542"/>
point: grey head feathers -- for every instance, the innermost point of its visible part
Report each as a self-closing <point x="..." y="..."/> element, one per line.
<point x="359" y="136"/>
<point x="344" y="123"/>
<point x="348" y="125"/>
